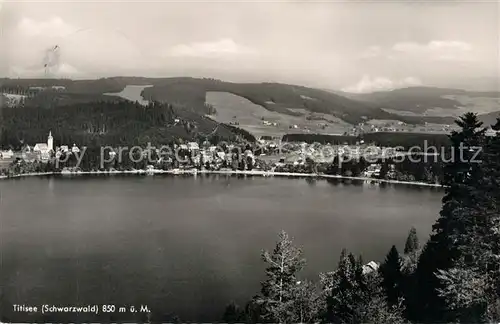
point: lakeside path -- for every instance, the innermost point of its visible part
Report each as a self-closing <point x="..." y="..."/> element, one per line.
<point x="226" y="172"/>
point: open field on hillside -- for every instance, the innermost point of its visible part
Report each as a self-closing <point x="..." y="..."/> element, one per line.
<point x="431" y="102"/>
<point x="132" y="93"/>
<point x="11" y="100"/>
<point x="456" y="104"/>
<point x="480" y="105"/>
<point x="261" y="121"/>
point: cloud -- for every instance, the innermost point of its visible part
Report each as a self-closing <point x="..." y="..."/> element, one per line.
<point x="64" y="70"/>
<point x="372" y="51"/>
<point x="369" y="84"/>
<point x="92" y="50"/>
<point x="432" y="46"/>
<point x="52" y="27"/>
<point x="435" y="50"/>
<point x="222" y="47"/>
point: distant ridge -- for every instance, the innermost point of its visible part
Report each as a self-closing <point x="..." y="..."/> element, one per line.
<point x="419" y="101"/>
<point x="190" y="93"/>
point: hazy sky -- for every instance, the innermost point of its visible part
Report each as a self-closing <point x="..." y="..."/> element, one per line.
<point x="352" y="45"/>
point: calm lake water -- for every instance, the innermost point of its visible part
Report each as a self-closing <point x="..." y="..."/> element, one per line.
<point x="184" y="245"/>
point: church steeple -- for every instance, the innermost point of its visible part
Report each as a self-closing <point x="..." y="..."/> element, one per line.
<point x="50" y="141"/>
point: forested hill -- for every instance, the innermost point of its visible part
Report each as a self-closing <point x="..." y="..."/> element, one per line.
<point x="110" y="123"/>
<point x="190" y="93"/>
<point x="281" y="98"/>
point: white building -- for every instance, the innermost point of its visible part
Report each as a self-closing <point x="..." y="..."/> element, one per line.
<point x="221" y="155"/>
<point x="41" y="148"/>
<point x="6" y="154"/>
<point x="193" y="146"/>
<point x="44" y="149"/>
<point x="370" y="267"/>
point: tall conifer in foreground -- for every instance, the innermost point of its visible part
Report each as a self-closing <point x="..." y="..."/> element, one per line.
<point x="278" y="290"/>
<point x="409" y="279"/>
<point x="471" y="287"/>
<point x="392" y="277"/>
<point x="442" y="251"/>
<point x="344" y="290"/>
<point x="354" y="296"/>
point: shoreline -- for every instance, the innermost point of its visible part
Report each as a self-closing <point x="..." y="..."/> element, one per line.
<point x="225" y="172"/>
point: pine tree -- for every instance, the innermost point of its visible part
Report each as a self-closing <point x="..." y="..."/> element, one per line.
<point x="471" y="287"/>
<point x="307" y="303"/>
<point x="491" y="239"/>
<point x="412" y="245"/>
<point x="461" y="176"/>
<point x="253" y="310"/>
<point x="409" y="279"/>
<point x="343" y="289"/>
<point x="233" y="314"/>
<point x="411" y="255"/>
<point x="466" y="292"/>
<point x="278" y="289"/>
<point x="355" y="297"/>
<point x="374" y="307"/>
<point x="392" y="276"/>
<point x="487" y="229"/>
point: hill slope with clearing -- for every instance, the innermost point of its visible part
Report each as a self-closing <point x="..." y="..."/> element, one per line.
<point x="236" y="110"/>
<point x="191" y="93"/>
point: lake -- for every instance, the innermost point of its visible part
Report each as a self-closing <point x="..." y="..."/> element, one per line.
<point x="184" y="246"/>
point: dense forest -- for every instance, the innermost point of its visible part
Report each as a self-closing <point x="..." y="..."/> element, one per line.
<point x="453" y="278"/>
<point x="110" y="123"/>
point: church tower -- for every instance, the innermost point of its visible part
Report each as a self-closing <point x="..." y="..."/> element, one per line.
<point x="50" y="142"/>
